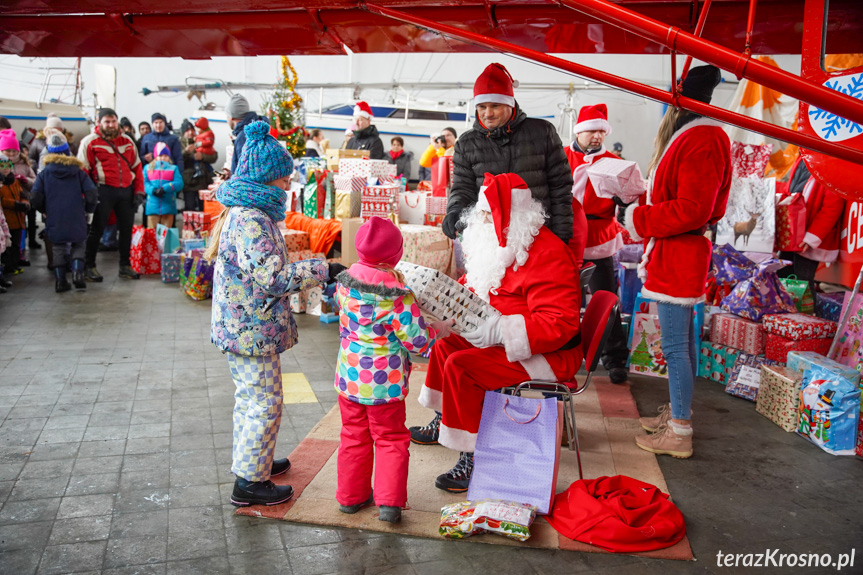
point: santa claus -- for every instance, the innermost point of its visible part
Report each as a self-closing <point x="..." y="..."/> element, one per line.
<point x="527" y="274"/>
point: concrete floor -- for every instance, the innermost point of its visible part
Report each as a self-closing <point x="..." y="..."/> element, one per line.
<point x="115" y="456"/>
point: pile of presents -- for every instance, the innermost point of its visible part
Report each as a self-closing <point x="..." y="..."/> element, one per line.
<point x="767" y="339"/>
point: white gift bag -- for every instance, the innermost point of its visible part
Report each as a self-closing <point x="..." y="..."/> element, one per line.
<point x="620" y="178"/>
<point x="412" y="207"/>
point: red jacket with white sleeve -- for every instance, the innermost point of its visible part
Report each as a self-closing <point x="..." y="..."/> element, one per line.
<point x="102" y="161"/>
<point x="687" y="191"/>
<point x="823" y="211"/>
<point x="603" y="232"/>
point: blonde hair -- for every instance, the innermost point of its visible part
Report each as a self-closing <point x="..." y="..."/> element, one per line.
<point x="663" y="135"/>
<point x="215" y="233"/>
<point x="399" y="276"/>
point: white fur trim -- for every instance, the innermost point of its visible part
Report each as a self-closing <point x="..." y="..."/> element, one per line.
<point x="515" y="342"/>
<point x="521" y="199"/>
<point x="819" y="255"/>
<point x="358" y="112"/>
<point x="494" y="99"/>
<point x="430" y="398"/>
<point x="656" y="296"/>
<point x="457" y="439"/>
<point x="693" y="124"/>
<point x="811" y="239"/>
<point x="629" y="223"/>
<point x="593" y="125"/>
<point x="482" y="204"/>
<point x="505" y="255"/>
<point x="579" y="174"/>
<point x="537" y="367"/>
<point x="605" y="250"/>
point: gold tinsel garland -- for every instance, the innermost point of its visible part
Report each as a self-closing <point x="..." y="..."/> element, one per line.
<point x="290" y="81"/>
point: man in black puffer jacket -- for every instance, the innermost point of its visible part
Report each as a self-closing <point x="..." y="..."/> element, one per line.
<point x="366" y="135"/>
<point x="504" y="139"/>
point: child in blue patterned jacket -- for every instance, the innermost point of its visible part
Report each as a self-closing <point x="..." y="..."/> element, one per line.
<point x="379" y="324"/>
<point x="252" y="322"/>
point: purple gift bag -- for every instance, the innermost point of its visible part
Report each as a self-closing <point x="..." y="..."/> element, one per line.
<point x="730" y="266"/>
<point x="517" y="451"/>
<point x="760" y="295"/>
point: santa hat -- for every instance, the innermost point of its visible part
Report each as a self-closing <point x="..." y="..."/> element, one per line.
<point x="593" y="118"/>
<point x="494" y="86"/>
<point x="364" y="110"/>
<point x="502" y="195"/>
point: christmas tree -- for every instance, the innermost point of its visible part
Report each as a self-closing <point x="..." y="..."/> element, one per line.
<point x="641" y="354"/>
<point x="284" y="109"/>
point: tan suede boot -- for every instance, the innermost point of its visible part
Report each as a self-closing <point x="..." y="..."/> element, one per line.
<point x="666" y="442"/>
<point x="651" y="424"/>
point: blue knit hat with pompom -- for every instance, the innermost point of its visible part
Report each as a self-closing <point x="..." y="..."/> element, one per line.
<point x="263" y="158"/>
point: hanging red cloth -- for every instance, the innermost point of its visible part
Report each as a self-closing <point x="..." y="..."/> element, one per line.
<point x="619" y="514"/>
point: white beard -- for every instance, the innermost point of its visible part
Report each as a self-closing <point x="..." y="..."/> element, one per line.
<point x="485" y="272"/>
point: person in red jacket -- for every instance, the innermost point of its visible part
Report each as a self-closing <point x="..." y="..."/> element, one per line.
<point x="603" y="232"/>
<point x="823" y="212"/>
<point x="690" y="177"/>
<point x="204" y="142"/>
<point x="111" y="159"/>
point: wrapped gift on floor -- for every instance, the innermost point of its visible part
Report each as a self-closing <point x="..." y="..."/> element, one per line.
<point x="144" y="256"/>
<point x="412" y="207"/>
<point x="171" y="267"/>
<point x="777" y="347"/>
<point x="849" y="343"/>
<point x="426" y="246"/>
<point x="829" y="411"/>
<point x="731" y="266"/>
<point x="646" y="355"/>
<point x="760" y="295"/>
<point x="380" y="201"/>
<point x="442" y="297"/>
<point x="798" y="326"/>
<point x="737" y="332"/>
<point x="645" y="305"/>
<point x="745" y="378"/>
<point x="779" y="395"/>
<point x="616" y="178"/>
<point x="197" y="222"/>
<point x="800" y="292"/>
<point x="705" y="360"/>
<point x="364" y="168"/>
<point x="829" y="305"/>
<point x="198" y="275"/>
<point x="296" y="240"/>
<point x="717" y="361"/>
<point x="803" y="360"/>
<point x="168" y="238"/>
<point x="188" y="245"/>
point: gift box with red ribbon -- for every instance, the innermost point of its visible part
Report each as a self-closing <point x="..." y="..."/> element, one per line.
<point x="737" y="332"/>
<point x="798" y="326"/>
<point x="777" y="347"/>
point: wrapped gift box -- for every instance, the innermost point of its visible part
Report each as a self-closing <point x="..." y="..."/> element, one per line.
<point x="171" y="268"/>
<point x="745" y="378"/>
<point x="197" y="222"/>
<point x="798" y="326"/>
<point x="777" y="347"/>
<point x="803" y="360"/>
<point x="616" y="178"/>
<point x="716" y="361"/>
<point x="364" y="168"/>
<point x="705" y="360"/>
<point x="426" y="246"/>
<point x="433" y="219"/>
<point x="631" y="253"/>
<point x="646" y="355"/>
<point x="779" y="395"/>
<point x="296" y="240"/>
<point x="442" y="297"/>
<point x="737" y="332"/>
<point x="348" y="204"/>
<point x="302" y="255"/>
<point x="188" y="245"/>
<point x="829" y="305"/>
<point x="380" y="201"/>
<point x="297" y="302"/>
<point x="313" y="297"/>
<point x="849" y="343"/>
<point x="336" y="155"/>
<point x="344" y="183"/>
<point x="435" y="205"/>
<point x="829" y="411"/>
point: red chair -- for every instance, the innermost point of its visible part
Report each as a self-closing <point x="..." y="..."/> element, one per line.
<point x="595" y="330"/>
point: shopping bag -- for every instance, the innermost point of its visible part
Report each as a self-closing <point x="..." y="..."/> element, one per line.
<point x="330" y="201"/>
<point x="800" y="292"/>
<point x="790" y="223"/>
<point x="144" y="254"/>
<point x="441" y="176"/>
<point x="198" y="274"/>
<point x="168" y="238"/>
<point x="412" y="207"/>
<point x="760" y="295"/>
<point x="517" y="450"/>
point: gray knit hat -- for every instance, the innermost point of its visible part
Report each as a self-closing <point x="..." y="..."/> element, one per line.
<point x="237" y="107"/>
<point x="57" y="144"/>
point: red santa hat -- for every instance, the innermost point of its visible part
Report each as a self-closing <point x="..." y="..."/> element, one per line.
<point x="593" y="118"/>
<point x="364" y="110"/>
<point x="502" y="195"/>
<point x="495" y="86"/>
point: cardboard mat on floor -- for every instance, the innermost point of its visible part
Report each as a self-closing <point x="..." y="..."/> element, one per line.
<point x="607" y="424"/>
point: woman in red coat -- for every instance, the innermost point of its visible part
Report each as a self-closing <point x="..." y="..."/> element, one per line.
<point x="690" y="175"/>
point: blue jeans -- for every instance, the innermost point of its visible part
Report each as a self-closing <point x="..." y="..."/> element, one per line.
<point x="678" y="347"/>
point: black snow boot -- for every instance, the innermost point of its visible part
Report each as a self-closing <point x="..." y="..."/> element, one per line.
<point x="61" y="284"/>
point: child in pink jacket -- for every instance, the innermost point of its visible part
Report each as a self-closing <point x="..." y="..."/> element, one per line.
<point x="379" y="324"/>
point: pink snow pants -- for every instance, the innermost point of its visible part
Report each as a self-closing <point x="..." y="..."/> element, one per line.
<point x="373" y="436"/>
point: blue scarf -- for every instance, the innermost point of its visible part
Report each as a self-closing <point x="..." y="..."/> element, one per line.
<point x="239" y="191"/>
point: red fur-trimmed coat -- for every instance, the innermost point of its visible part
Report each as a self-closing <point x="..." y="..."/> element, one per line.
<point x="688" y="190"/>
<point x="603" y="235"/>
<point x="823" y="213"/>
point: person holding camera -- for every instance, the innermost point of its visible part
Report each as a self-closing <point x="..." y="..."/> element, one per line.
<point x="162" y="181"/>
<point x="442" y="144"/>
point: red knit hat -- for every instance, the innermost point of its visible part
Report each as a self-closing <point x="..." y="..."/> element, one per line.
<point x="593" y="118"/>
<point x="494" y="86"/>
<point x="379" y="241"/>
<point x="501" y="195"/>
<point x="364" y="110"/>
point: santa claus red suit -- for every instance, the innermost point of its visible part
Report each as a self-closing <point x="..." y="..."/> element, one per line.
<point x="533" y="284"/>
<point x="687" y="192"/>
<point x="823" y="212"/>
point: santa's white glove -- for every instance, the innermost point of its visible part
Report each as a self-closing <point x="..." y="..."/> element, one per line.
<point x="442" y="328"/>
<point x="486" y="335"/>
<point x="89" y="219"/>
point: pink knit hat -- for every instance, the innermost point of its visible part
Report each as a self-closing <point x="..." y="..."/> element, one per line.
<point x="8" y="140"/>
<point x="379" y="241"/>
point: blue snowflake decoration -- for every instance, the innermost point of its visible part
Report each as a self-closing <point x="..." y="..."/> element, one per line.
<point x="835" y="128"/>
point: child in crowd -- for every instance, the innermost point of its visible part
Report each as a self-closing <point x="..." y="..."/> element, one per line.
<point x="16" y="204"/>
<point x="67" y="196"/>
<point x="162" y="181"/>
<point x="5" y="244"/>
<point x="11" y="148"/>
<point x="252" y="322"/>
<point x="379" y="324"/>
<point x="204" y="142"/>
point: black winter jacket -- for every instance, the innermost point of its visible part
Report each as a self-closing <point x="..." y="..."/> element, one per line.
<point x="65" y="193"/>
<point x="367" y="139"/>
<point x="529" y="147"/>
